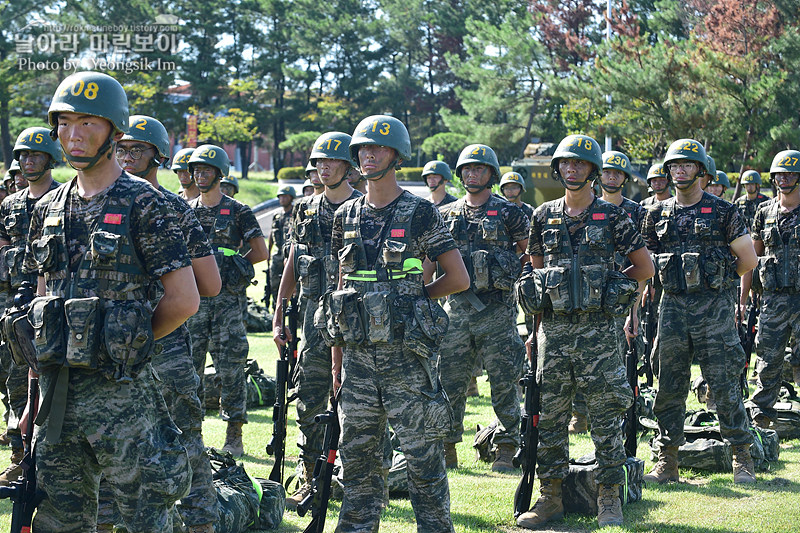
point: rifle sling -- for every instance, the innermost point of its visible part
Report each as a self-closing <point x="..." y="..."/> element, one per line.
<point x="54" y="405"/>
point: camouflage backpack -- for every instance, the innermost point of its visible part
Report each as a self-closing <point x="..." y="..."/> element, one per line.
<point x="787" y="421"/>
<point x="260" y="387"/>
<point x="245" y="502"/>
<point x="579" y="488"/>
<point x="484" y="442"/>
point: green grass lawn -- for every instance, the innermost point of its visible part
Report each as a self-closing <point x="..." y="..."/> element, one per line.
<point x="482" y="500"/>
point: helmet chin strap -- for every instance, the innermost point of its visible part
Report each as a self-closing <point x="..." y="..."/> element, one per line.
<point x="375" y="176"/>
<point x="338" y="183"/>
<point x="689" y="184"/>
<point x="153" y="163"/>
<point x="104" y="150"/>
<point x="609" y="189"/>
<point x="579" y="187"/>
<point x="791" y="189"/>
<point x="210" y="185"/>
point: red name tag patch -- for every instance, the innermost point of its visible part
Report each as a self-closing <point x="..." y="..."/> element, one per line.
<point x="398" y="233"/>
<point x="598" y="216"/>
<point x="705" y="209"/>
<point x="491" y="213"/>
<point x="224" y="211"/>
<point x="112" y="218"/>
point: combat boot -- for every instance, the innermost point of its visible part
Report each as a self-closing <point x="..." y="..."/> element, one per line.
<point x="105" y="528"/>
<point x="503" y="456"/>
<point x="666" y="469"/>
<point x="233" y="438"/>
<point x="744" y="471"/>
<point x="450" y="455"/>
<point x="304" y="490"/>
<point x="761" y="420"/>
<point x="13" y="471"/>
<point x="609" y="506"/>
<point x="5" y="438"/>
<point x="205" y="528"/>
<point x="578" y="424"/>
<point x="548" y="507"/>
<point x="472" y="388"/>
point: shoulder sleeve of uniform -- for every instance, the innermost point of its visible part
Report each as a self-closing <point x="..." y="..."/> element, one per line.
<point x="156" y="232"/>
<point x="248" y="224"/>
<point x="431" y="236"/>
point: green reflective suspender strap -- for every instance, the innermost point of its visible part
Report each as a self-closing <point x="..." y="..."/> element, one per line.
<point x="411" y="265"/>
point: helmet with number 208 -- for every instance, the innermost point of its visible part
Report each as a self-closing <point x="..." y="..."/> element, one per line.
<point x="91" y="93"/>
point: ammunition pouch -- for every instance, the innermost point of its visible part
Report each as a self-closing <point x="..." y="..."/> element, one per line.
<point x="326" y="323"/>
<point x="12" y="265"/>
<point x="128" y="338"/>
<point x="378" y="316"/>
<point x="344" y="316"/>
<point x="592" y="279"/>
<point x="692" y="272"/>
<point x="494" y="270"/>
<point x="309" y="271"/>
<point x="778" y="275"/>
<point x="557" y="289"/>
<point x="530" y="291"/>
<point x="84" y="321"/>
<point x="18" y="335"/>
<point x="46" y="315"/>
<point x="425" y="327"/>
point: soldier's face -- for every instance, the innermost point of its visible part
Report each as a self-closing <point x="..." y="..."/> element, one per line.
<point x="286" y="199"/>
<point x="375" y="158"/>
<point x="205" y="176"/>
<point x="574" y="171"/>
<point x="786" y="180"/>
<point x="227" y="189"/>
<point x="476" y="174"/>
<point x="659" y="184"/>
<point x="19" y="182"/>
<point x="433" y="181"/>
<point x="716" y="189"/>
<point x="82" y="135"/>
<point x="511" y="191"/>
<point x="33" y="162"/>
<point x="683" y="172"/>
<point x="308" y="190"/>
<point x="185" y="177"/>
<point x="751" y="188"/>
<point x="134" y="156"/>
<point x="612" y="177"/>
<point x="314" y="177"/>
<point x="353" y="176"/>
<point x="331" y="171"/>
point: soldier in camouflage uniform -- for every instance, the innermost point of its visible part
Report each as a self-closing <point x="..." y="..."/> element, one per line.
<point x="718" y="185"/>
<point x="708" y="173"/>
<point x="98" y="243"/>
<point x="356" y="180"/>
<point x="13" y="172"/>
<point x="490" y="233"/>
<point x="229" y="186"/>
<point x="658" y="180"/>
<point x="37" y="154"/>
<point x="218" y="327"/>
<point x="311" y="261"/>
<point x="180" y="166"/>
<point x="749" y="203"/>
<point x="512" y="187"/>
<point x="776" y="235"/>
<point x="308" y="188"/>
<point x="700" y="243"/>
<point x="279" y="236"/>
<point x="573" y="243"/>
<point x="141" y="152"/>
<point x="387" y="371"/>
<point x="312" y="176"/>
<point x="436" y="175"/>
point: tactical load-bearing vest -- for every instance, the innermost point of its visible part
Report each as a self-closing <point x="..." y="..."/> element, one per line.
<point x="749" y="207"/>
<point x="581" y="278"/>
<point x="314" y="265"/>
<point x="701" y="261"/>
<point x="779" y="267"/>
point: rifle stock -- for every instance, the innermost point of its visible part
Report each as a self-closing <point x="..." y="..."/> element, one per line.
<point x="631" y="420"/>
<point x="529" y="441"/>
<point x="747" y="339"/>
<point x="293" y="313"/>
<point x="277" y="446"/>
<point x="649" y="327"/>
<point x="267" y="291"/>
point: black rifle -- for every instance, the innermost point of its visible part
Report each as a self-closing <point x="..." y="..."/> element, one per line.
<point x="631" y="420"/>
<point x="267" y="291"/>
<point x="293" y="313"/>
<point x="277" y="446"/>
<point x="649" y="330"/>
<point x="747" y="336"/>
<point x="529" y="441"/>
<point x="317" y="501"/>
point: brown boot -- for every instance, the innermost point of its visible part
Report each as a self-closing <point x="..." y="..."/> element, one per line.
<point x="666" y="469"/>
<point x="609" y="506"/>
<point x="304" y="490"/>
<point x="472" y="388"/>
<point x="744" y="471"/>
<point x="578" y="424"/>
<point x="5" y="438"/>
<point x="450" y="455"/>
<point x="13" y="471"/>
<point x="548" y="507"/>
<point x="105" y="528"/>
<point x="761" y="420"/>
<point x="233" y="438"/>
<point x="503" y="455"/>
<point x="205" y="528"/>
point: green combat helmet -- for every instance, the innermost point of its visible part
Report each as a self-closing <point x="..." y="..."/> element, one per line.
<point x="309" y="168"/>
<point x="512" y="177"/>
<point x="581" y="147"/>
<point x="149" y="130"/>
<point x="91" y="93"/>
<point x="437" y="167"/>
<point x="751" y="176"/>
<point x="14" y="169"/>
<point x="288" y="189"/>
<point x="38" y="139"/>
<point x="657" y="171"/>
<point x="616" y="161"/>
<point x="785" y="161"/>
<point x="482" y="155"/>
<point x="233" y="181"/>
<point x="211" y="155"/>
<point x="687" y="149"/>
<point x="711" y="166"/>
<point x="720" y="178"/>
<point x="381" y="130"/>
<point x="332" y="145"/>
<point x="181" y="160"/>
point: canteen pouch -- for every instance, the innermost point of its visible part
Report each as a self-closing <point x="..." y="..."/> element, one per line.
<point x="46" y="315"/>
<point x="505" y="269"/>
<point x="425" y="330"/>
<point x="45" y="251"/>
<point x="557" y="289"/>
<point x="345" y="311"/>
<point x="667" y="266"/>
<point x="13" y="259"/>
<point x="327" y="329"/>
<point x="591" y="296"/>
<point x="619" y="294"/>
<point x="690" y="262"/>
<point x="104" y="248"/>
<point x="767" y="266"/>
<point x="128" y="338"/>
<point x="18" y="335"/>
<point x="378" y="315"/>
<point x="480" y="270"/>
<point x="307" y="268"/>
<point x="83" y="321"/>
<point x="529" y="291"/>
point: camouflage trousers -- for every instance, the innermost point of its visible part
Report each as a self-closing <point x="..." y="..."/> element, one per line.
<point x="388" y="382"/>
<point x="122" y="433"/>
<point x="275" y="273"/>
<point x="218" y="328"/>
<point x="178" y="382"/>
<point x="700" y="326"/>
<point x="492" y="337"/>
<point x="16" y="390"/>
<point x="314" y="382"/>
<point x="778" y="320"/>
<point x="580" y="352"/>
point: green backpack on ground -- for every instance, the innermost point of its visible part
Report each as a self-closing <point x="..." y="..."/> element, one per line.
<point x="579" y="488"/>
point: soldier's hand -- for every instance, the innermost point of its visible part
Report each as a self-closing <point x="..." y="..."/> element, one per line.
<point x="631" y="327"/>
<point x="336" y="368"/>
<point x="276" y="336"/>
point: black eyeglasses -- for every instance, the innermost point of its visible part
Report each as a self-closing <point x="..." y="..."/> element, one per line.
<point x="135" y="153"/>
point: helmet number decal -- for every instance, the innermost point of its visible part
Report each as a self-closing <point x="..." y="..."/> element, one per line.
<point x="481" y="149"/>
<point x="788" y="161"/>
<point x="689" y="147"/>
<point x="384" y="130"/>
<point x="35" y="138"/>
<point x="184" y="158"/>
<point x="581" y="142"/>
<point x="141" y="124"/>
<point x="617" y="160"/>
<point x="89" y="90"/>
<point x="321" y="145"/>
<point x="209" y="153"/>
